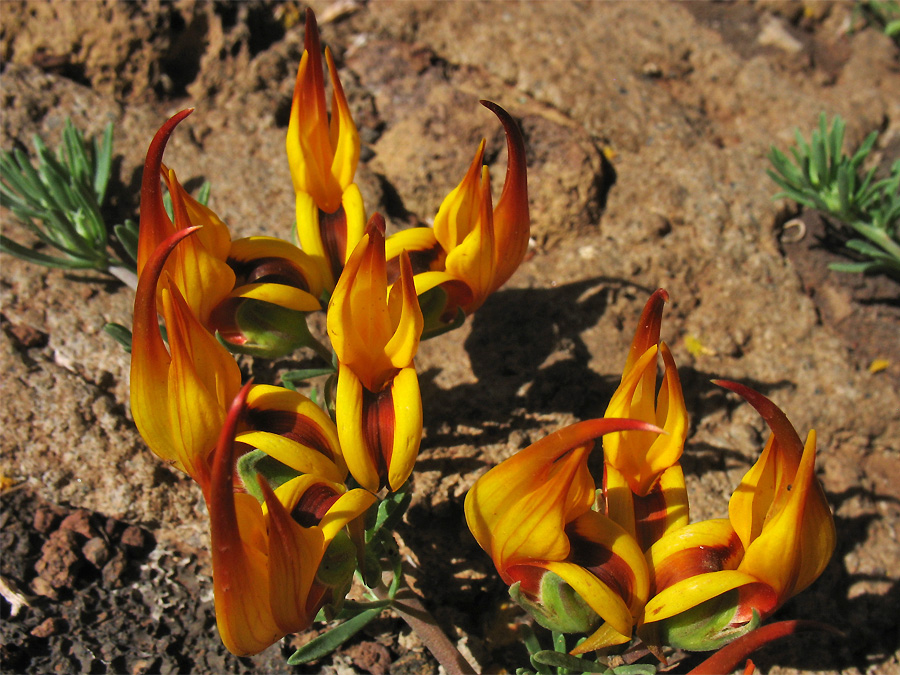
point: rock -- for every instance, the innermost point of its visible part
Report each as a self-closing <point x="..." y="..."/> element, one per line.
<point x="60" y="559"/>
<point x="79" y="522"/>
<point x="135" y="540"/>
<point x="96" y="551"/>
<point x="49" y="627"/>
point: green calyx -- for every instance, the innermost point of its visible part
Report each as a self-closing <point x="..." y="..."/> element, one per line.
<point x="558" y="607"/>
<point x="269" y="331"/>
<point x="706" y="627"/>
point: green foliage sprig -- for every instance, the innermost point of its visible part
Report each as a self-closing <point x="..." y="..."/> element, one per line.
<point x="822" y="177"/>
<point x="61" y="202"/>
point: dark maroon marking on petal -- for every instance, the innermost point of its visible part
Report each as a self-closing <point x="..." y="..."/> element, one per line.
<point x="608" y="567"/>
<point x="424" y="260"/>
<point x="529" y="577"/>
<point x="378" y="428"/>
<point x="269" y="270"/>
<point x="314" y="504"/>
<point x="693" y="561"/>
<point x="291" y="425"/>
<point x="333" y="230"/>
<point x="222" y="321"/>
<point x="650" y="516"/>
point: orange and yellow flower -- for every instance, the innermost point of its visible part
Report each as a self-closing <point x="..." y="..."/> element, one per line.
<point x="643" y="481"/>
<point x="711" y="577"/>
<point x="254" y="291"/>
<point x="474" y="248"/>
<point x="323" y="157"/>
<point x="179" y="396"/>
<point x="375" y="333"/>
<point x="533" y="514"/>
<point x="266" y="557"/>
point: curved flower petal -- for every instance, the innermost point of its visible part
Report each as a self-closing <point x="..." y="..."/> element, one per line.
<point x="322" y="157"/>
<point x="179" y="398"/>
<point x="511" y="217"/>
<point x="155" y="225"/>
<point x="278" y="294"/>
<point x="601" y="598"/>
<point x="692" y="591"/>
<point x="379" y="432"/>
<point x="294" y="555"/>
<point x="240" y="574"/>
<point x="518" y="510"/>
<point x="698" y="548"/>
<point x="483" y="245"/>
<point x="802" y="532"/>
<point x="373" y="334"/>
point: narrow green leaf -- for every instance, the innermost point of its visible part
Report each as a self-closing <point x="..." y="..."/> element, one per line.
<point x="390" y="510"/>
<point x="120" y="334"/>
<point x="203" y="193"/>
<point x="572" y="663"/>
<point x="334" y="638"/>
<point x="850" y="267"/>
<point x="295" y="376"/>
<point x="127" y="235"/>
<point x="103" y="157"/>
<point x="30" y="255"/>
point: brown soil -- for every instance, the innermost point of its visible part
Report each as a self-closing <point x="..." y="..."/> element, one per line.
<point x="647" y="128"/>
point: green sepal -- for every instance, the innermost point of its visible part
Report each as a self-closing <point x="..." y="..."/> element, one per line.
<point x="433" y="304"/>
<point x="558" y="608"/>
<point x="705" y="627"/>
<point x="270" y="331"/>
<point x="338" y="563"/>
<point x="255" y="462"/>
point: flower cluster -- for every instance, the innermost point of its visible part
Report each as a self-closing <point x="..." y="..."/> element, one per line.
<point x="293" y="489"/>
<point x="622" y="556"/>
<point x="288" y="486"/>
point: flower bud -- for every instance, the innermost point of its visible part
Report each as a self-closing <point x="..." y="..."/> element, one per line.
<point x="557" y="607"/>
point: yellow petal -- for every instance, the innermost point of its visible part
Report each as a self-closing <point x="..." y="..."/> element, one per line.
<point x="461" y="211"/>
<point x="603" y="637"/>
<point x="343" y="135"/>
<point x="289" y="413"/>
<point x="407" y="426"/>
<point x="796" y="542"/>
<point x="310" y="237"/>
<point x="299" y="457"/>
<point x="410" y="239"/>
<point x="601" y="598"/>
<point x="690" y="592"/>
<point x="278" y="294"/>
<point x="408" y="324"/>
<point x="293" y="557"/>
<point x="202" y="276"/>
<point x="349" y="506"/>
<point x="705" y="546"/>
<point x="518" y="509"/>
<point x="473" y="259"/>
<point x="349" y="415"/>
<point x="254" y="248"/>
<point x="595" y="537"/>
